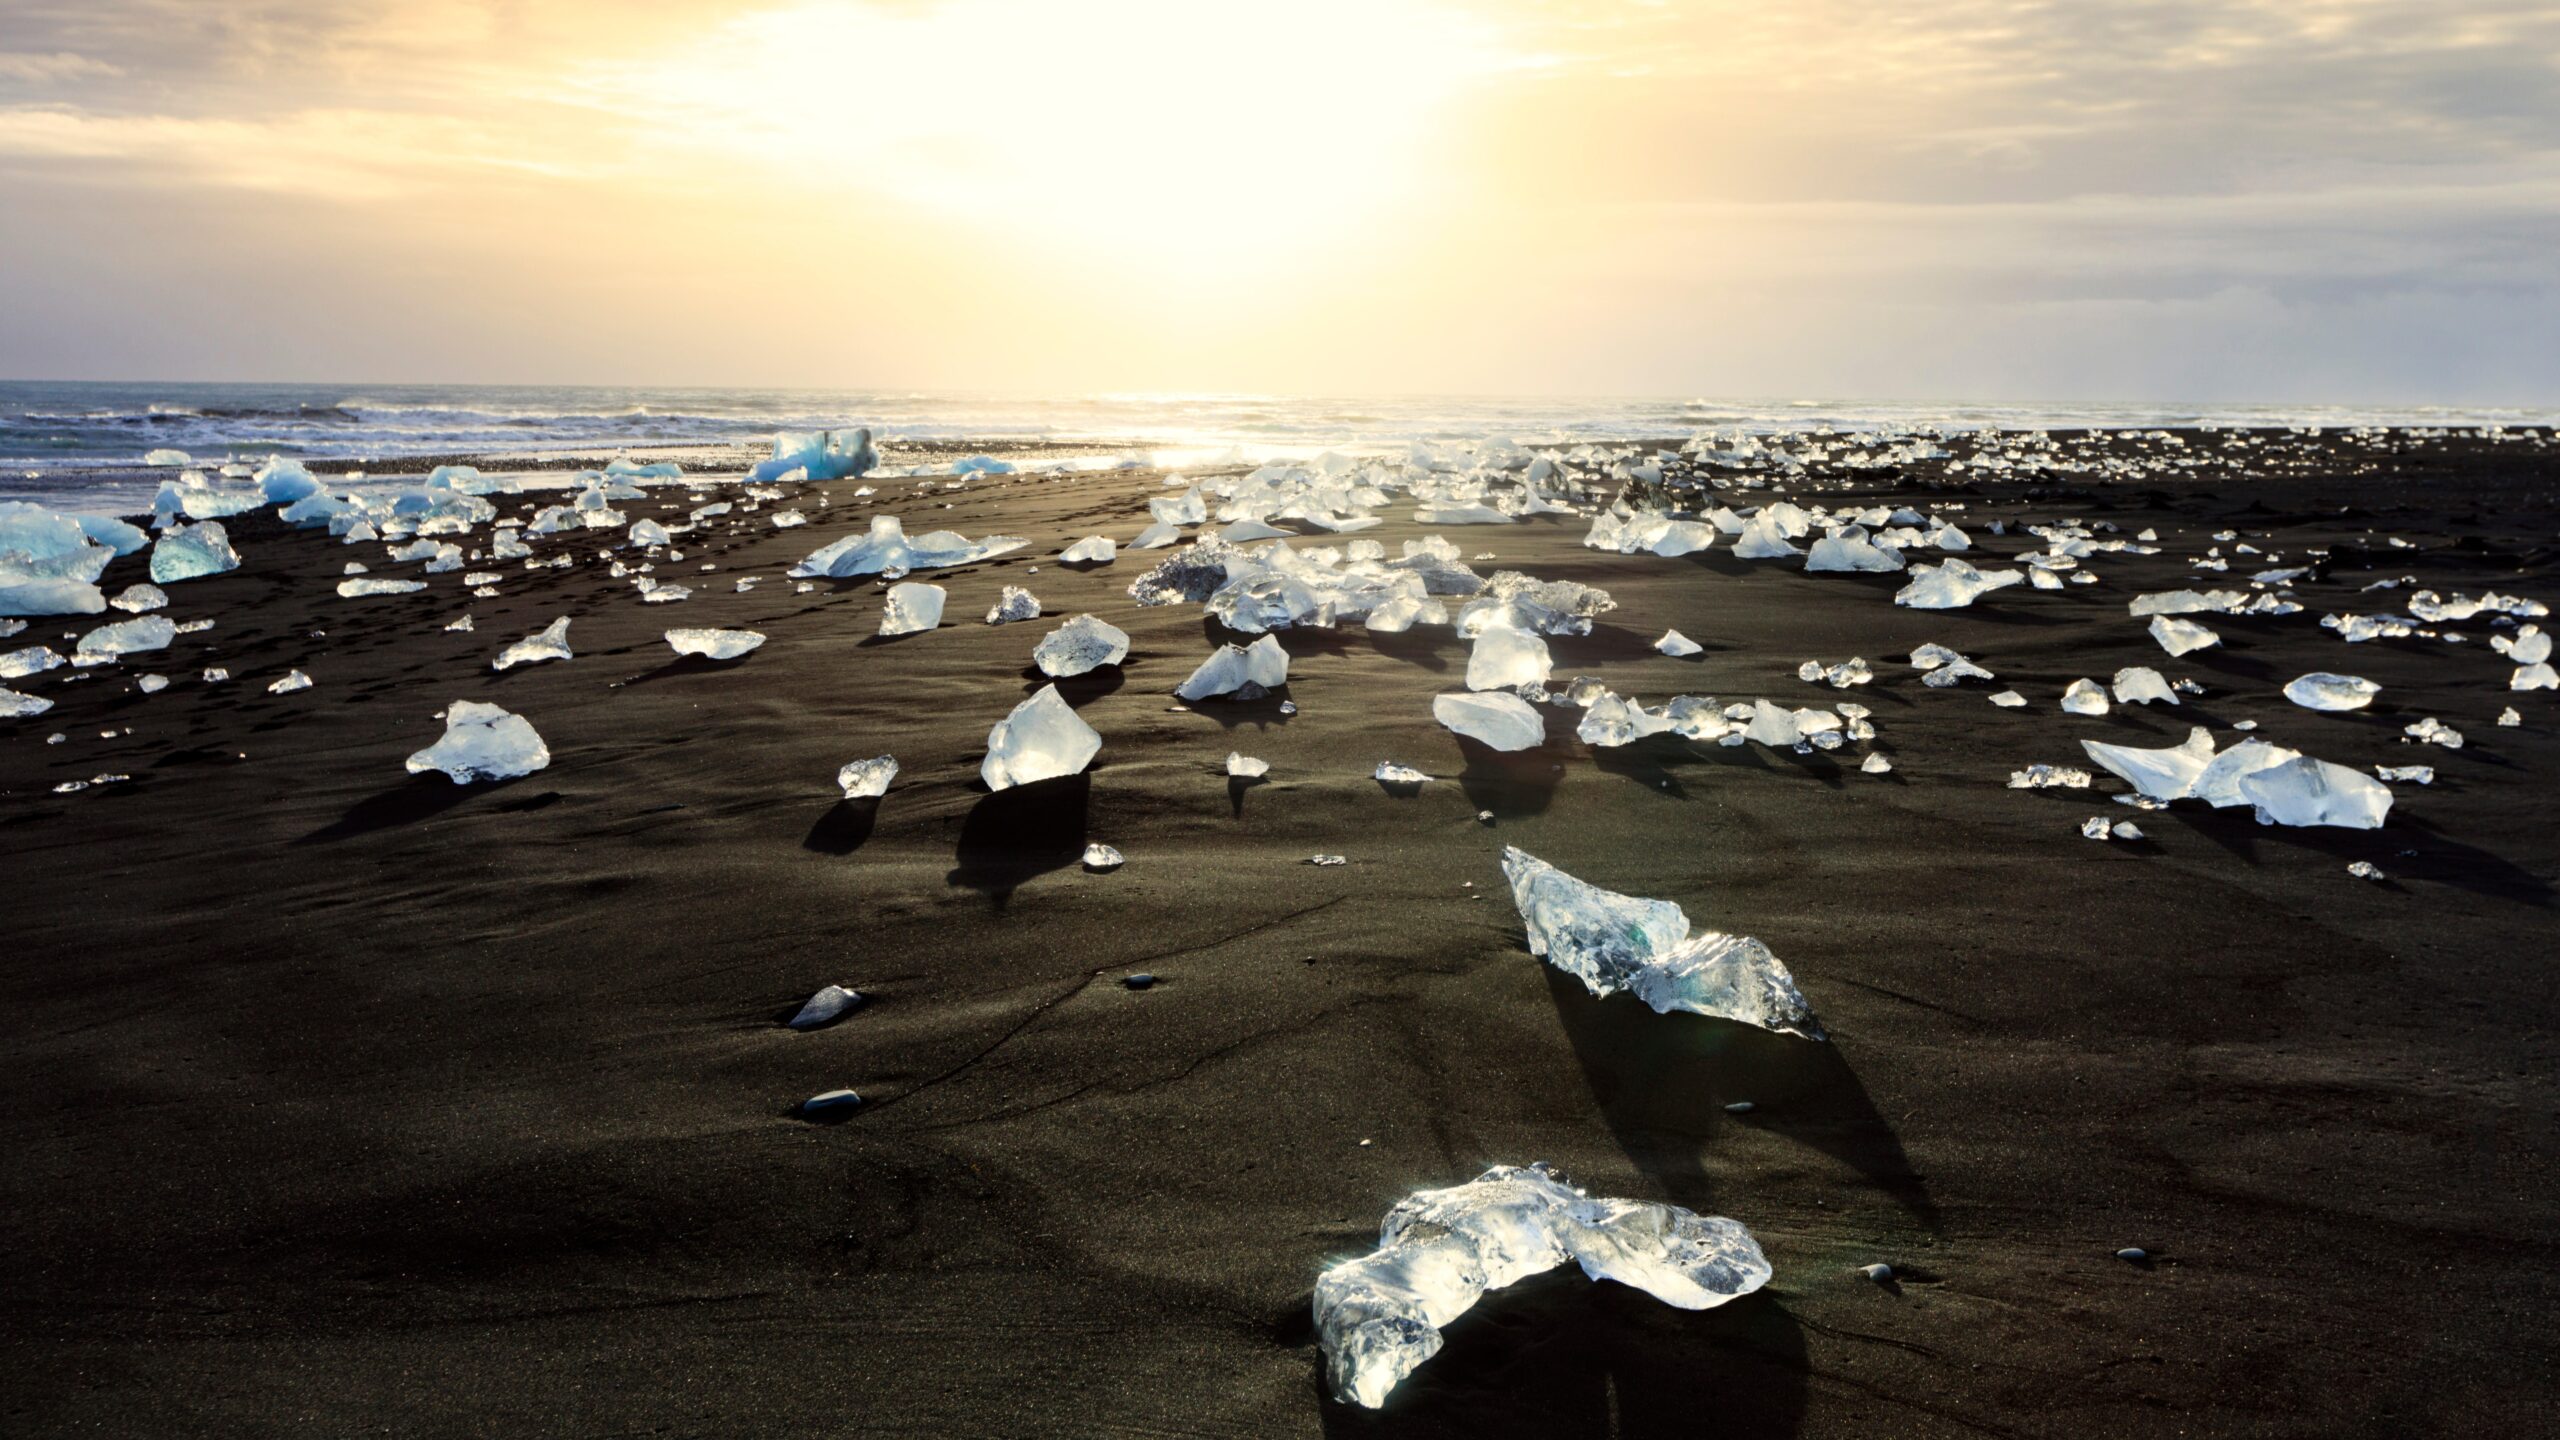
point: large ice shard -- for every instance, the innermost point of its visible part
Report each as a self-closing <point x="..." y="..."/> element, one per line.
<point x="1246" y="672"/>
<point x="125" y="637"/>
<point x="819" y="455"/>
<point x="1614" y="942"/>
<point x="1850" y="549"/>
<point x="184" y="552"/>
<point x="1380" y="1316"/>
<point x="2168" y="774"/>
<point x="551" y="642"/>
<point x="2321" y="690"/>
<point x="1497" y="718"/>
<point x="22" y="594"/>
<point x="714" y="644"/>
<point x="1084" y="643"/>
<point x="1014" y="604"/>
<point x="2304" y="791"/>
<point x="911" y="609"/>
<point x="1042" y="739"/>
<point x="1091" y="550"/>
<point x="2178" y="637"/>
<point x="867" y="779"/>
<point x="1953" y="585"/>
<point x="1506" y="659"/>
<point x="482" y="742"/>
<point x="887" y="547"/>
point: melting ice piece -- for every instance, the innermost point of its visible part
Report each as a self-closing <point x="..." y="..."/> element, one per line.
<point x="551" y="642"/>
<point x="1245" y="767"/>
<point x="357" y="589"/>
<point x="2528" y="646"/>
<point x="1506" y="659"/>
<point x="2537" y="676"/>
<point x="1380" y="1316"/>
<point x="184" y="552"/>
<point x="1098" y="856"/>
<point x="2141" y="685"/>
<point x="825" y="1007"/>
<point x="1248" y="673"/>
<point x="911" y="609"/>
<point x="1616" y="942"/>
<point x="16" y="705"/>
<point x="1391" y="773"/>
<point x="1876" y="764"/>
<point x="1613" y="720"/>
<point x="1014" y="604"/>
<point x="867" y="779"/>
<point x="2181" y="636"/>
<point x="482" y="742"/>
<point x="2304" y="791"/>
<point x="1677" y="645"/>
<point x="125" y="637"/>
<point x="1945" y="667"/>
<point x="714" y="644"/>
<point x="33" y="660"/>
<point x="1091" y="550"/>
<point x="2366" y="870"/>
<point x="1496" y="718"/>
<point x="2415" y="774"/>
<point x="1085" y="643"/>
<point x="137" y="598"/>
<point x="2009" y="700"/>
<point x="1042" y="739"/>
<point x="2084" y="697"/>
<point x="2167" y="774"/>
<point x="2509" y="717"/>
<point x="887" y="547"/>
<point x="2321" y="690"/>
<point x="1952" y="586"/>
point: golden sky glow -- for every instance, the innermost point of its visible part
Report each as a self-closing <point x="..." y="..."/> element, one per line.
<point x="2316" y="199"/>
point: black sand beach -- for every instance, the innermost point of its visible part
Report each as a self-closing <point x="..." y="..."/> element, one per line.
<point x="345" y="1101"/>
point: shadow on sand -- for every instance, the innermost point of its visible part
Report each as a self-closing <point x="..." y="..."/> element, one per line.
<point x="1026" y="831"/>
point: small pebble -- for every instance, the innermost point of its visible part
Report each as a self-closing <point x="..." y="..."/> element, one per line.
<point x="1878" y="1273"/>
<point x="2133" y="1254"/>
<point x="1140" y="981"/>
<point x="1740" y="1107"/>
<point x="831" y="1102"/>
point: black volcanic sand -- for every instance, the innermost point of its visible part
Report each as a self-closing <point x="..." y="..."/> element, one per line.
<point x="344" y="1101"/>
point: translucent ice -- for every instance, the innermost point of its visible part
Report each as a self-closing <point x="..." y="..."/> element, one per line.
<point x="2304" y="791"/>
<point x="2142" y="685"/>
<point x="1091" y="550"/>
<point x="127" y="637"/>
<point x="1676" y="645"/>
<point x="136" y="599"/>
<point x="1391" y="773"/>
<point x="1380" y="1316"/>
<point x="1506" y="659"/>
<point x="825" y="1007"/>
<point x="1042" y="739"/>
<point x="551" y="642"/>
<point x="1247" y="673"/>
<point x="184" y="552"/>
<point x="867" y="779"/>
<point x="1614" y="720"/>
<point x="17" y="706"/>
<point x="1850" y="549"/>
<point x="886" y="547"/>
<point x="46" y="595"/>
<point x="1945" y="667"/>
<point x="482" y="742"/>
<point x="1087" y="643"/>
<point x="2528" y="646"/>
<point x="911" y="609"/>
<point x="2166" y="774"/>
<point x="1496" y="718"/>
<point x="1952" y="585"/>
<point x="2084" y="697"/>
<point x="1098" y="856"/>
<point x="375" y="585"/>
<point x="33" y="660"/>
<point x="819" y="454"/>
<point x="2321" y="690"/>
<point x="1614" y="942"/>
<point x="714" y="644"/>
<point x="2178" y="637"/>
<point x="1245" y="767"/>
<point x="1014" y="604"/>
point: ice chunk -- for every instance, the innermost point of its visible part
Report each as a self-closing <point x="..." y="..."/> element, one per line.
<point x="2416" y="774"/>
<point x="1613" y="720"/>
<point x="1495" y="718"/>
<point x="886" y="548"/>
<point x="482" y="742"/>
<point x="2428" y="730"/>
<point x="1042" y="739"/>
<point x="2049" y="777"/>
<point x="1396" y="616"/>
<point x="1247" y="673"/>
<point x="168" y="457"/>
<point x="33" y="660"/>
<point x="819" y="455"/>
<point x="1945" y="667"/>
<point x="2539" y="676"/>
<point x="2168" y="774"/>
<point x="1876" y="765"/>
<point x="2528" y="646"/>
<point x="359" y="588"/>
<point x="911" y="609"/>
<point x="2366" y="870"/>
<point x="293" y="680"/>
<point x="1091" y="550"/>
<point x="1439" y="1251"/>
<point x="2304" y="791"/>
<point x="1506" y="659"/>
<point x="1850" y="549"/>
<point x="1014" y="604"/>
<point x="2321" y="690"/>
<point x="1763" y="538"/>
<point x="1156" y="536"/>
<point x="1677" y="645"/>
<point x="15" y="705"/>
<point x="714" y="644"/>
<point x="1245" y="767"/>
<point x="2141" y="685"/>
<point x="126" y="637"/>
<point x="1391" y="773"/>
<point x="1614" y="942"/>
<point x="184" y="552"/>
<point x="1952" y="585"/>
<point x="2084" y="697"/>
<point x="2509" y="717"/>
<point x="1086" y="643"/>
<point x="867" y="779"/>
<point x="46" y="595"/>
<point x="1098" y="856"/>
<point x="137" y="599"/>
<point x="551" y="642"/>
<point x="2178" y="637"/>
<point x="2009" y="700"/>
<point x="826" y="1007"/>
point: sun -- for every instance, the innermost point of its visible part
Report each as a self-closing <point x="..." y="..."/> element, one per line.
<point x="1190" y="139"/>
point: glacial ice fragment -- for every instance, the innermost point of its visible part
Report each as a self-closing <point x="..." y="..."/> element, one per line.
<point x="2163" y="774"/>
<point x="32" y="660"/>
<point x="551" y="642"/>
<point x="1677" y="645"/>
<point x="126" y="637"/>
<point x="1391" y="773"/>
<point x="1014" y="604"/>
<point x="138" y="598"/>
<point x="293" y="680"/>
<point x="185" y="552"/>
<point x="1614" y="942"/>
<point x="1241" y="766"/>
<point x="911" y="608"/>
<point x="867" y="779"/>
<point x="2084" y="697"/>
<point x="16" y="705"/>
<point x="1496" y="718"/>
<point x="1952" y="585"/>
<point x="1091" y="550"/>
<point x="1082" y="644"/>
<point x="1380" y="1316"/>
<point x="2178" y="637"/>
<point x="2321" y="690"/>
<point x="2142" y="685"/>
<point x="1098" y="856"/>
<point x="1506" y="659"/>
<point x="714" y="644"/>
<point x="1248" y="673"/>
<point x="1042" y="739"/>
<point x="2304" y="791"/>
<point x="482" y="742"/>
<point x="825" y="1007"/>
<point x="887" y="547"/>
<point x="357" y="589"/>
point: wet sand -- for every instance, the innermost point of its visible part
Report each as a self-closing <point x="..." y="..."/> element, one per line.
<point x="348" y="1101"/>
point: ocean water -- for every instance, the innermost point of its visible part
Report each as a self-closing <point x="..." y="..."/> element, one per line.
<point x="79" y="443"/>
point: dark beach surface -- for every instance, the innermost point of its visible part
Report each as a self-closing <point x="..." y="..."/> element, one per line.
<point x="344" y="1101"/>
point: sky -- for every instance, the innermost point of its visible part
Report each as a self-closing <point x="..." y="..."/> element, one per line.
<point x="2340" y="201"/>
